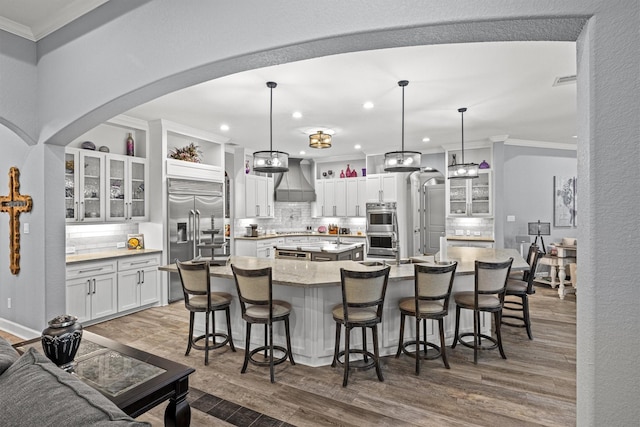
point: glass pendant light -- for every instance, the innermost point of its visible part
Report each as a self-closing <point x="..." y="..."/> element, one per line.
<point x="271" y="161"/>
<point x="402" y="161"/>
<point x="462" y="170"/>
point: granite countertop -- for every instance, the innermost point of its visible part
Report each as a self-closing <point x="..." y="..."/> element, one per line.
<point x="107" y="254"/>
<point x="471" y="238"/>
<point x="314" y="234"/>
<point x="316" y="274"/>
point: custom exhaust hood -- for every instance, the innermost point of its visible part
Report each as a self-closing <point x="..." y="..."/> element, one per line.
<point x="293" y="186"/>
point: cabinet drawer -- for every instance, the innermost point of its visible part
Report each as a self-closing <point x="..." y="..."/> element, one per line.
<point x="88" y="269"/>
<point x="137" y="261"/>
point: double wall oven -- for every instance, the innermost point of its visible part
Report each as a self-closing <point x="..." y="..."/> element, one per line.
<point x="382" y="230"/>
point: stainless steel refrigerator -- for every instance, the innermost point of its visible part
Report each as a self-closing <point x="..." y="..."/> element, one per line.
<point x="196" y="225"/>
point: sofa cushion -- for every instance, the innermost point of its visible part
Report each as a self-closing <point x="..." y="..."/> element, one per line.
<point x="8" y="355"/>
<point x="35" y="392"/>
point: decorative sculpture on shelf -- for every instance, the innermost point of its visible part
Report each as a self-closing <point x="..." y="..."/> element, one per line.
<point x="14" y="204"/>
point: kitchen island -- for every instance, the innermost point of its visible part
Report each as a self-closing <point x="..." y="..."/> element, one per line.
<point x="313" y="289"/>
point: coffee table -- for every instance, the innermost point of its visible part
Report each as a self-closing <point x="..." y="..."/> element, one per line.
<point x="134" y="380"/>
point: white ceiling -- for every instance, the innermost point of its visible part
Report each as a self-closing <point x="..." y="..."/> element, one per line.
<point x="507" y="88"/>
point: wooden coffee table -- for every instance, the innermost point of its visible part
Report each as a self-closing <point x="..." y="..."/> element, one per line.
<point x="134" y="380"/>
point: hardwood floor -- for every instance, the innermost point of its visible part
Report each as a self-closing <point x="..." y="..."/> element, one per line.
<point x="536" y="385"/>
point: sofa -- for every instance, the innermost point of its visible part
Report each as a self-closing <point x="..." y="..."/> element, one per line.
<point x="35" y="392"/>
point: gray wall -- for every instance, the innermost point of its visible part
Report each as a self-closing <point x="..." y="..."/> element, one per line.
<point x="149" y="48"/>
<point x="527" y="190"/>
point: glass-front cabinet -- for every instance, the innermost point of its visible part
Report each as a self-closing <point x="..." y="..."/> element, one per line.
<point x="470" y="197"/>
<point x="126" y="180"/>
<point x="84" y="192"/>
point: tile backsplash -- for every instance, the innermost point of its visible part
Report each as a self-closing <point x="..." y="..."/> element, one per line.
<point x="98" y="237"/>
<point x="484" y="226"/>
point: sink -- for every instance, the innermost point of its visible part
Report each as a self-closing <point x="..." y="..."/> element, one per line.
<point x="372" y="263"/>
<point x="389" y="262"/>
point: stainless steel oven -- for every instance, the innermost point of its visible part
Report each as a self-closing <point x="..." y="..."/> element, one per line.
<point x="382" y="244"/>
<point x="382" y="217"/>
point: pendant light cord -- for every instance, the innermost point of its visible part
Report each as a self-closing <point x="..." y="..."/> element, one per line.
<point x="271" y="120"/>
<point x="402" y="118"/>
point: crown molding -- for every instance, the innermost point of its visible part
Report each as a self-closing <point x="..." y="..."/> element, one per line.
<point x="541" y="144"/>
<point x="17" y="29"/>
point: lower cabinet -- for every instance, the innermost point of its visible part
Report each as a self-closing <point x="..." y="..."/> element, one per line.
<point x="92" y="290"/>
<point x="466" y="243"/>
<point x="262" y="248"/>
<point x="138" y="282"/>
<point x="101" y="289"/>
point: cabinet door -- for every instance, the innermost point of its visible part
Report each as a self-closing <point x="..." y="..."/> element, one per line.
<point x="480" y="195"/>
<point x="149" y="286"/>
<point x="261" y="196"/>
<point x="458" y="200"/>
<point x="356" y="197"/>
<point x="340" y="197"/>
<point x="91" y="189"/>
<point x="71" y="186"/>
<point x="104" y="295"/>
<point x="251" y="205"/>
<point x="137" y="209"/>
<point x="117" y="188"/>
<point x="388" y="186"/>
<point x="270" y="198"/>
<point x="78" y="298"/>
<point x="319" y="197"/>
<point x="128" y="290"/>
<point x="373" y="188"/>
<point x="329" y="197"/>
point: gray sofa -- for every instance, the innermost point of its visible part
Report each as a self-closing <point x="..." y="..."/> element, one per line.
<point x="35" y="392"/>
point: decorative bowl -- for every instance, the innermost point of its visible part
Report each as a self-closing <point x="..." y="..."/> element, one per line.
<point x="88" y="145"/>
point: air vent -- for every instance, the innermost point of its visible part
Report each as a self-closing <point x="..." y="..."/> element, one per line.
<point x="564" y="80"/>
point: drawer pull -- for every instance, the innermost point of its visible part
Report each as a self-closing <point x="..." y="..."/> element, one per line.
<point x="141" y="262"/>
<point x="90" y="270"/>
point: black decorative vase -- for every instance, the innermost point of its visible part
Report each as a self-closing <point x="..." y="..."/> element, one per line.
<point x="60" y="341"/>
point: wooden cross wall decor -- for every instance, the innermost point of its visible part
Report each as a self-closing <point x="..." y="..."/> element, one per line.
<point x="14" y="204"/>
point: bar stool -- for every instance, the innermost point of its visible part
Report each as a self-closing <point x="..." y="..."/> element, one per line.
<point x="198" y="298"/>
<point x="362" y="300"/>
<point x="521" y="289"/>
<point x="430" y="301"/>
<point x="258" y="306"/>
<point x="487" y="296"/>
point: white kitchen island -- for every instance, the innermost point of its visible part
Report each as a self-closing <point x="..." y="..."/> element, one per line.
<point x="313" y="289"/>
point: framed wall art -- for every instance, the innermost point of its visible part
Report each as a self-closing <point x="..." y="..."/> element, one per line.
<point x="564" y="201"/>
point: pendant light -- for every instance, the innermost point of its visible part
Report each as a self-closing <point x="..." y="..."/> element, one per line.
<point x="270" y="161"/>
<point x="402" y="161"/>
<point x="462" y="170"/>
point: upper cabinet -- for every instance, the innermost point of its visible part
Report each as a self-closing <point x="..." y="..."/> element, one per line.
<point x="258" y="196"/>
<point x="340" y="197"/>
<point x="102" y="183"/>
<point x="383" y="187"/>
<point x="470" y="197"/>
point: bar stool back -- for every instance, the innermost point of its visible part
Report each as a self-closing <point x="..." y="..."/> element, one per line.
<point x="430" y="301"/>
<point x="198" y="298"/>
<point x="363" y="295"/>
<point x="488" y="296"/>
<point x="255" y="293"/>
<point x="521" y="289"/>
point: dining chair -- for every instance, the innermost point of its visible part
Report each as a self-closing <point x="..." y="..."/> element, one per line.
<point x="432" y="289"/>
<point x="199" y="298"/>
<point x="521" y="289"/>
<point x="363" y="295"/>
<point x="255" y="293"/>
<point x="490" y="285"/>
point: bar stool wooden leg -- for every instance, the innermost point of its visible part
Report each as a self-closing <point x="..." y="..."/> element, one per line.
<point x="442" y="351"/>
<point x="246" y="348"/>
<point x="527" y="318"/>
<point x="401" y="338"/>
<point x="228" y="314"/>
<point x="346" y="356"/>
<point x="418" y="357"/>
<point x="190" y="341"/>
<point x="374" y="331"/>
<point x="364" y="343"/>
<point x="286" y="330"/>
<point x="337" y="347"/>
<point x="273" y="378"/>
<point x="206" y="337"/>
<point x="456" y="337"/>
<point x="498" y="320"/>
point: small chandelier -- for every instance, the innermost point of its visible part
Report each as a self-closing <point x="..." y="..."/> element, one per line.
<point x="462" y="170"/>
<point x="320" y="140"/>
<point x="271" y="161"/>
<point x="402" y="161"/>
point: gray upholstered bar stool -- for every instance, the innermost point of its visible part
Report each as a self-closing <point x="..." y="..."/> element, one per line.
<point x="199" y="298"/>
<point x="255" y="293"/>
<point x="521" y="289"/>
<point x="362" y="300"/>
<point x="488" y="296"/>
<point x="430" y="301"/>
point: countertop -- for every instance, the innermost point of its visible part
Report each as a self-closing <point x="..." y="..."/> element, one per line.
<point x="471" y="238"/>
<point x="316" y="274"/>
<point x="313" y="234"/>
<point x="320" y="247"/>
<point x="114" y="253"/>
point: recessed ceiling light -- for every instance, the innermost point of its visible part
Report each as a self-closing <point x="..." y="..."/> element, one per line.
<point x="357" y="146"/>
<point x="224" y="128"/>
<point x="302" y="153"/>
<point x="367" y="105"/>
<point x="574" y="136"/>
<point x="296" y="115"/>
<point x="426" y="139"/>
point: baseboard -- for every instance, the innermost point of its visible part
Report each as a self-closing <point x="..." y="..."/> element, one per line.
<point x="18" y="330"/>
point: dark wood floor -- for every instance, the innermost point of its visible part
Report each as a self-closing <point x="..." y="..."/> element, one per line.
<point x="536" y="385"/>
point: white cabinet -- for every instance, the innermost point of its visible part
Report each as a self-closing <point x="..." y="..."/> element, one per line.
<point x="258" y="196"/>
<point x="138" y="281"/>
<point x="382" y="187"/>
<point x="126" y="181"/>
<point x="262" y="248"/>
<point x="356" y="199"/>
<point x="91" y="290"/>
<point x="84" y="186"/>
<point x="470" y="197"/>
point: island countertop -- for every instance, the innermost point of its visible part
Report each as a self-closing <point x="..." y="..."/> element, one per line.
<point x="316" y="274"/>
